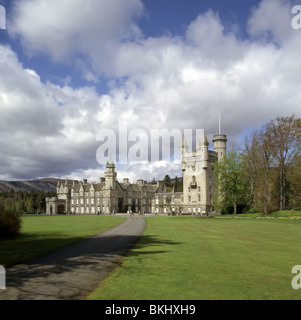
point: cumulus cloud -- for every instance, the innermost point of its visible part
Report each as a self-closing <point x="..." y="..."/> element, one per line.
<point x="67" y="29"/>
<point x="172" y="82"/>
<point x="44" y="128"/>
<point x="271" y="20"/>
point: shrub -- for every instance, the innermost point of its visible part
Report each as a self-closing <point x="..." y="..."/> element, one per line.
<point x="10" y="224"/>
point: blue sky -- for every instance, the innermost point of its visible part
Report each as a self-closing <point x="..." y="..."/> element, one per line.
<point x="70" y="68"/>
<point x="159" y="18"/>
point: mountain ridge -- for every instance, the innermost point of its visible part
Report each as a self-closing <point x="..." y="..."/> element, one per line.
<point x="44" y="184"/>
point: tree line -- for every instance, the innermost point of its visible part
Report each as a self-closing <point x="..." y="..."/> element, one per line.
<point x="265" y="175"/>
<point x="24" y="201"/>
<point x="175" y="184"/>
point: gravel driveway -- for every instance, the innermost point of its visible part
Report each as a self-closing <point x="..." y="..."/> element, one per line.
<point x="73" y="272"/>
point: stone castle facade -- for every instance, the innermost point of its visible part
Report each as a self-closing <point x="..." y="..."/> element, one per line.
<point x="110" y="196"/>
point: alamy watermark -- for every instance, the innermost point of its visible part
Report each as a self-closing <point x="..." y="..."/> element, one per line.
<point x="296" y="21"/>
<point x="2" y="17"/>
<point x="2" y="278"/>
<point x="296" y="282"/>
<point x="140" y="146"/>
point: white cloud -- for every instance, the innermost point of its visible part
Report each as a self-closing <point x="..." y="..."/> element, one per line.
<point x="272" y="20"/>
<point x="63" y="29"/>
<point x="164" y="82"/>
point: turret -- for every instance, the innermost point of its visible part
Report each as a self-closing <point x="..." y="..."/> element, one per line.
<point x="58" y="186"/>
<point x="205" y="145"/>
<point x="220" y="144"/>
<point x="110" y="175"/>
<point x="184" y="150"/>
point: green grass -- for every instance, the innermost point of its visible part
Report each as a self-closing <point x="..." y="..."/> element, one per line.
<point x="286" y="213"/>
<point x="42" y="234"/>
<point x="186" y="258"/>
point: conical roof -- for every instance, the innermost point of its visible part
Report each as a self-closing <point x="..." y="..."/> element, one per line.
<point x="205" y="140"/>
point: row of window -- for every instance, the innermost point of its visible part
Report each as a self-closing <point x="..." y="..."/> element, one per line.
<point x="105" y="201"/>
<point x="88" y="201"/>
<point x="171" y="200"/>
<point x="95" y="210"/>
<point x="98" y="194"/>
<point x="87" y="210"/>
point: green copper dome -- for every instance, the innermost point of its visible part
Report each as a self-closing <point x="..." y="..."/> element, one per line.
<point x="110" y="164"/>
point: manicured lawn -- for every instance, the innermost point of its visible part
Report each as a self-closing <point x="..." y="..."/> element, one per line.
<point x="286" y="213"/>
<point x="41" y="234"/>
<point x="186" y="258"/>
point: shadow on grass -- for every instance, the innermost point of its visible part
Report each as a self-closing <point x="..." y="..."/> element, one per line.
<point x="75" y="270"/>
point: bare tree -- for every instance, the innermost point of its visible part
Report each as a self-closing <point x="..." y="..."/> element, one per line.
<point x="266" y="159"/>
<point x="285" y="136"/>
<point x="251" y="156"/>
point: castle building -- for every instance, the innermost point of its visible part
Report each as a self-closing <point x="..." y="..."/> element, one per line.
<point x="109" y="196"/>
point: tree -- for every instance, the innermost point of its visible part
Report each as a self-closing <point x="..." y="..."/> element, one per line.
<point x="29" y="205"/>
<point x="19" y="206"/>
<point x="40" y="200"/>
<point x="272" y="155"/>
<point x="231" y="182"/>
<point x="286" y="142"/>
<point x="178" y="185"/>
<point x="265" y="150"/>
<point x="167" y="181"/>
<point x="294" y="177"/>
<point x="251" y="159"/>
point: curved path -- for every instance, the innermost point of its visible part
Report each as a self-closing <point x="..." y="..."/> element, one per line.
<point x="75" y="271"/>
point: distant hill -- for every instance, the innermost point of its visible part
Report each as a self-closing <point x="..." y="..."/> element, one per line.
<point x="46" y="184"/>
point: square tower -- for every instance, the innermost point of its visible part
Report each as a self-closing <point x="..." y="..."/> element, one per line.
<point x="196" y="199"/>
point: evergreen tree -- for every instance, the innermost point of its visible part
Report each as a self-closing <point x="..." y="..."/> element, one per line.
<point x="167" y="181"/>
<point x="29" y="205"/>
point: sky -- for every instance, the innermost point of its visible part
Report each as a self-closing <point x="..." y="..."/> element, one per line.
<point x="71" y="71"/>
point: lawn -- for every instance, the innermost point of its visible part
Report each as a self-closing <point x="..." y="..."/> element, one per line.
<point x="187" y="258"/>
<point x="42" y="234"/>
